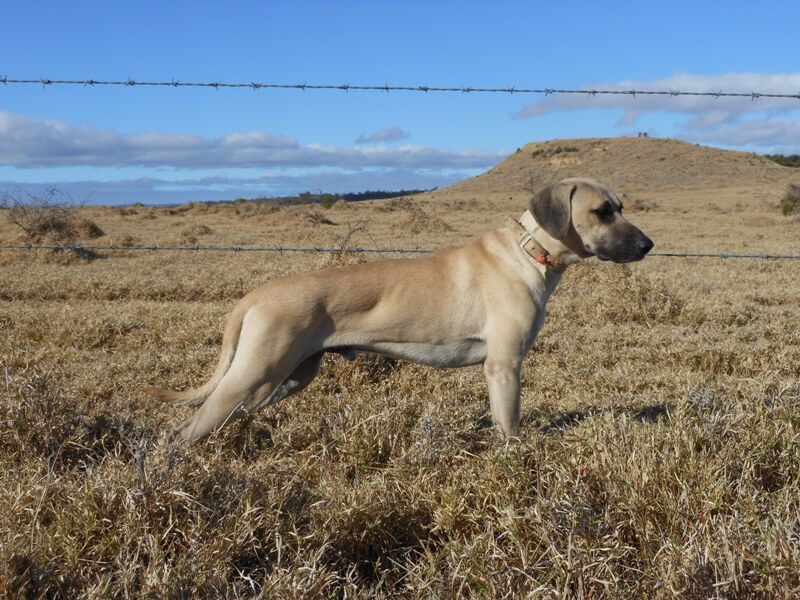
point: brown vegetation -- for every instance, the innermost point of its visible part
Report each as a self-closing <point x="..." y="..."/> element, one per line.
<point x="659" y="453"/>
<point x="791" y="201"/>
<point x="49" y="221"/>
<point x="631" y="163"/>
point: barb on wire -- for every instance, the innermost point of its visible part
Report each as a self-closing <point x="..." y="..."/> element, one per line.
<point x="354" y="250"/>
<point x="130" y="82"/>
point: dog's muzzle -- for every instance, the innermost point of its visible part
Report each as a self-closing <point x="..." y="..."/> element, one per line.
<point x="631" y="251"/>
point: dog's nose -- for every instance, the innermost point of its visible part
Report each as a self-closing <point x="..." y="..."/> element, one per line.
<point x="646" y="245"/>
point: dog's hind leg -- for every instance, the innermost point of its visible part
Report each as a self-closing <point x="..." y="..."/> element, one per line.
<point x="226" y="403"/>
<point x="299" y="379"/>
<point x="266" y="356"/>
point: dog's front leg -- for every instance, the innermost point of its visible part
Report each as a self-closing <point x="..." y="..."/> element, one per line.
<point x="502" y="376"/>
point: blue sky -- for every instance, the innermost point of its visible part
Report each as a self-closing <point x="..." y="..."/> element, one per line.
<point x="119" y="145"/>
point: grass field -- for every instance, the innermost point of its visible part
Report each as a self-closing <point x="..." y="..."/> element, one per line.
<point x="658" y="455"/>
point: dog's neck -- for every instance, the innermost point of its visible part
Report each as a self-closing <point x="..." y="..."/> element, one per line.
<point x="563" y="256"/>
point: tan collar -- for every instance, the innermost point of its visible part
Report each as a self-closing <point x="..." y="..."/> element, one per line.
<point x="532" y="248"/>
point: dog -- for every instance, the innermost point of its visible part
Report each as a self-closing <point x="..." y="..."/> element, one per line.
<point x="482" y="303"/>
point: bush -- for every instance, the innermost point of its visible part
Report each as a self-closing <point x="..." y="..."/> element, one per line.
<point x="547" y="152"/>
<point x="790" y="203"/>
<point x="49" y="220"/>
<point x="327" y="200"/>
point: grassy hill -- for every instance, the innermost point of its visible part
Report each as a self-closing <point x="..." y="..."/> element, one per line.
<point x="629" y="163"/>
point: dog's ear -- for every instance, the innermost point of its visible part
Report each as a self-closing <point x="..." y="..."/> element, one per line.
<point x="552" y="208"/>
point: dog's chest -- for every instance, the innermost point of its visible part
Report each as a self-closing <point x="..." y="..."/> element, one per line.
<point x="540" y="294"/>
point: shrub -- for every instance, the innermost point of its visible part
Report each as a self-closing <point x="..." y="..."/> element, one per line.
<point x="547" y="152"/>
<point x="317" y="218"/>
<point x="790" y="203"/>
<point x="49" y="220"/>
<point x="327" y="200"/>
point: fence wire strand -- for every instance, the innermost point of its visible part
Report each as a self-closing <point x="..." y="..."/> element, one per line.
<point x="309" y="249"/>
<point x="46" y="82"/>
<point x="353" y="250"/>
<point x="346" y="87"/>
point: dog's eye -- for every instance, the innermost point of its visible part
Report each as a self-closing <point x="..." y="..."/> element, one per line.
<point x="605" y="211"/>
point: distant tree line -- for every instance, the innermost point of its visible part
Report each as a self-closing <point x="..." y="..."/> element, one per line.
<point x="327" y="200"/>
<point x="791" y="160"/>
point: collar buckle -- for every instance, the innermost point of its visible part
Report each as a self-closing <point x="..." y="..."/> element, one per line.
<point x="532" y="248"/>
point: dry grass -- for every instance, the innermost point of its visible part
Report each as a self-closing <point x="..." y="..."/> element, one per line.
<point x="49" y="220"/>
<point x="651" y="163"/>
<point x="659" y="454"/>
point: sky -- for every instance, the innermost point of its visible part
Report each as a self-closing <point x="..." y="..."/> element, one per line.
<point x="119" y="145"/>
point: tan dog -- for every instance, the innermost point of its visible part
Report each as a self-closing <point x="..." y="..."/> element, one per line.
<point x="480" y="303"/>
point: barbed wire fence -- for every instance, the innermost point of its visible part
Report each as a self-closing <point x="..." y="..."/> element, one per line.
<point x="346" y="87"/>
<point x="343" y="250"/>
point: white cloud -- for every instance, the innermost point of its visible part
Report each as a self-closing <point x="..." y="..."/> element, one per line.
<point x="725" y="108"/>
<point x="390" y="134"/>
<point x="26" y="142"/>
<point x="731" y="121"/>
<point x="780" y="134"/>
<point x="257" y="139"/>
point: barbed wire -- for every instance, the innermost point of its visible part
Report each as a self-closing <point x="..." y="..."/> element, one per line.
<point x="725" y="255"/>
<point x="346" y="87"/>
<point x="309" y="249"/>
<point x="353" y="250"/>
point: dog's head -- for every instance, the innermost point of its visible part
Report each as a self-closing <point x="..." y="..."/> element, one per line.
<point x="586" y="217"/>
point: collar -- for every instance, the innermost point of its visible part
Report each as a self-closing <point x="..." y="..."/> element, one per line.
<point x="532" y="248"/>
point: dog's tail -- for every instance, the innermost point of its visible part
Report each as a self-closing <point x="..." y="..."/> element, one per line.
<point x="195" y="397"/>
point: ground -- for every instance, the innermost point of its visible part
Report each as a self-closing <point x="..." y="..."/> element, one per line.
<point x="659" y="445"/>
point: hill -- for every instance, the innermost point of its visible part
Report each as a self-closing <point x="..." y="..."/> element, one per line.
<point x="629" y="163"/>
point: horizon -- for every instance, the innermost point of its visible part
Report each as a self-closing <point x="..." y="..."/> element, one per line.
<point x="315" y="195"/>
